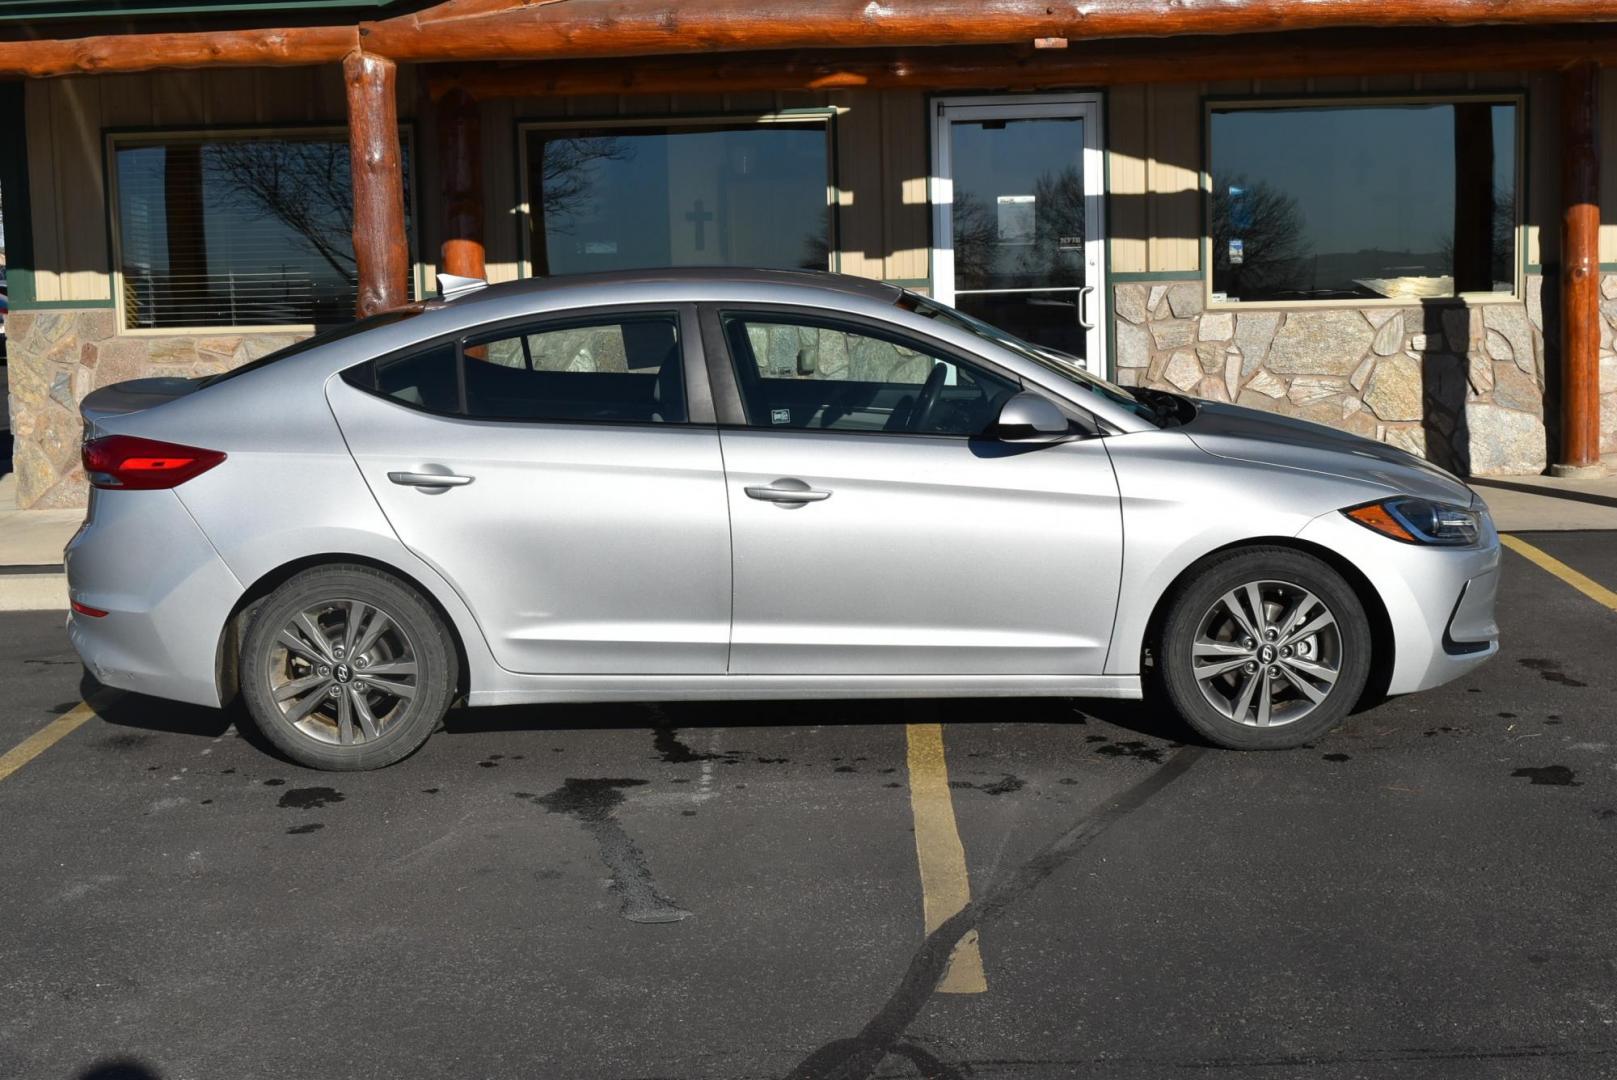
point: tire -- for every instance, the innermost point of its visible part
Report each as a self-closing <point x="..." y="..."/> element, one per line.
<point x="1315" y="669"/>
<point x="377" y="690"/>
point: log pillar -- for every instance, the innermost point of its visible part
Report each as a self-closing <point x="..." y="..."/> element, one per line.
<point x="460" y="155"/>
<point x="381" y="246"/>
<point x="1580" y="273"/>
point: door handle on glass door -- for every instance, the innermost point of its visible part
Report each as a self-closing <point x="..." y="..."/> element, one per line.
<point x="429" y="479"/>
<point x="1085" y="320"/>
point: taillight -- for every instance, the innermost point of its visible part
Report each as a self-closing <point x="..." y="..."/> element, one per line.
<point x="128" y="463"/>
<point x="86" y="609"/>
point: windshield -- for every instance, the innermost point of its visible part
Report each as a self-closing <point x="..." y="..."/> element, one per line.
<point x="1068" y="367"/>
<point x="336" y="333"/>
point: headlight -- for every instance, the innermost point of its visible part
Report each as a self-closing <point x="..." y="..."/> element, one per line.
<point x="1418" y="521"/>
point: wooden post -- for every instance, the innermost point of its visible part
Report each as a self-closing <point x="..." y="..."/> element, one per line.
<point x="1580" y="273"/>
<point x="460" y="150"/>
<point x="381" y="247"/>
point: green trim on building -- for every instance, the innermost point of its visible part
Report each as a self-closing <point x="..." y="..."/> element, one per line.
<point x="1125" y="276"/>
<point x="48" y="10"/>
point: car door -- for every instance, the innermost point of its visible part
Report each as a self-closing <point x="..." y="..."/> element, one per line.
<point x="874" y="532"/>
<point x="562" y="477"/>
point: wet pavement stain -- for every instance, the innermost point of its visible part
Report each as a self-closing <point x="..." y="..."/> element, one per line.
<point x="302" y="830"/>
<point x="1335" y="757"/>
<point x="274" y="781"/>
<point x="127" y="741"/>
<point x="665" y="739"/>
<point x="1549" y="775"/>
<point x="429" y="791"/>
<point x="1606" y="813"/>
<point x="1003" y="786"/>
<point x="1550" y="671"/>
<point x="594" y="802"/>
<point x="309" y="798"/>
<point x="1132" y="748"/>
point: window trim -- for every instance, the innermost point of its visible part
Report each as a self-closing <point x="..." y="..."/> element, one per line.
<point x="1514" y="97"/>
<point x="693" y="362"/>
<point x="113" y="138"/>
<point x="827" y="115"/>
<point x="732" y="402"/>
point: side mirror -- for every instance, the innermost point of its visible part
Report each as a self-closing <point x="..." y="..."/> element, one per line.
<point x="1030" y="418"/>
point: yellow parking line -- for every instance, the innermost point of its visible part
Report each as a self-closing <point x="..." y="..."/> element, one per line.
<point x="43" y="739"/>
<point x="945" y="887"/>
<point x="1587" y="586"/>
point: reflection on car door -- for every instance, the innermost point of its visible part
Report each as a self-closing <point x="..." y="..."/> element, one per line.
<point x="872" y="535"/>
<point x="554" y="475"/>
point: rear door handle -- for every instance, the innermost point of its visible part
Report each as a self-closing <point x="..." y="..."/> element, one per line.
<point x="429" y="479"/>
<point x="787" y="493"/>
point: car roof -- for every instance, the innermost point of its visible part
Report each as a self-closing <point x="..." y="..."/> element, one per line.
<point x="743" y="279"/>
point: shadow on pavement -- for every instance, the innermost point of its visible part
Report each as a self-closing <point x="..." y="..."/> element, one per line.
<point x="1546" y="492"/>
<point x="119" y="1069"/>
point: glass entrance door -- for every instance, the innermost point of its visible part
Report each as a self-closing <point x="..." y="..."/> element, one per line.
<point x="1016" y="189"/>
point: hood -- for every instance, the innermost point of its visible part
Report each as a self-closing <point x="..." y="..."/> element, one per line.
<point x="1241" y="434"/>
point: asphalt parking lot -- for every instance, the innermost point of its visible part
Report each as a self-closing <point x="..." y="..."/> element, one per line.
<point x="744" y="891"/>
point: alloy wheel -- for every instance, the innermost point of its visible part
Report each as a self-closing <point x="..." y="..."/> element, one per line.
<point x="343" y="671"/>
<point x="1267" y="653"/>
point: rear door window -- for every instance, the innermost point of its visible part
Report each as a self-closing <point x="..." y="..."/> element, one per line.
<point x="622" y="369"/>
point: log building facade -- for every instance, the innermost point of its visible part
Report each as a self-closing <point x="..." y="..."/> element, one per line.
<point x="1382" y="216"/>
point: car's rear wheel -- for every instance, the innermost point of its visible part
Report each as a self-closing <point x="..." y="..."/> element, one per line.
<point x="345" y="667"/>
<point x="1264" y="649"/>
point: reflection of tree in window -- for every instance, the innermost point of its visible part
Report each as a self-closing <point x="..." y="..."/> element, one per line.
<point x="306" y="186"/>
<point x="1270" y="228"/>
<point x="568" y="170"/>
<point x="1055" y="254"/>
<point x="249" y="231"/>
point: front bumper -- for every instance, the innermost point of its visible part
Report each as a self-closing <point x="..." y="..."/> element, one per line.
<point x="141" y="558"/>
<point x="1439" y="601"/>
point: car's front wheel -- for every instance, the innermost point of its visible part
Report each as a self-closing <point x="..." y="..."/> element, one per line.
<point x="345" y="667"/>
<point x="1264" y="649"/>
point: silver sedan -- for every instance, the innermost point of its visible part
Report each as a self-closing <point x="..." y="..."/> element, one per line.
<point x="745" y="484"/>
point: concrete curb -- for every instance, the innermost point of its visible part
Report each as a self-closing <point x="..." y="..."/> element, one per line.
<point x="33" y="592"/>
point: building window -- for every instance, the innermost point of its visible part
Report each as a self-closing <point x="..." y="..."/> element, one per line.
<point x="236" y="230"/>
<point x="1362" y="202"/>
<point x="690" y="194"/>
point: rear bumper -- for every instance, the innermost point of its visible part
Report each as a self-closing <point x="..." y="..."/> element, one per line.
<point x="1440" y="601"/>
<point x="142" y="559"/>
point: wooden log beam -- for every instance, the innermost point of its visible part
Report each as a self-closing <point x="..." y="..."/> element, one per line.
<point x="1580" y="273"/>
<point x="381" y="246"/>
<point x="1093" y="64"/>
<point x="524" y="30"/>
<point x="564" y="29"/>
<point x="111" y="53"/>
<point x="460" y="155"/>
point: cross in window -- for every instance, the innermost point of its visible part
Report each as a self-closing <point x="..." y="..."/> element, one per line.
<point x="700" y="217"/>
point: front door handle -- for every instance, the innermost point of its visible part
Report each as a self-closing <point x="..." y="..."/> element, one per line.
<point x="429" y="479"/>
<point x="787" y="493"/>
<point x="1085" y="319"/>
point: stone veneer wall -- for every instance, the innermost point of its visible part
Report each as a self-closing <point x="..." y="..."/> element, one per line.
<point x="1463" y="386"/>
<point x="56" y="357"/>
